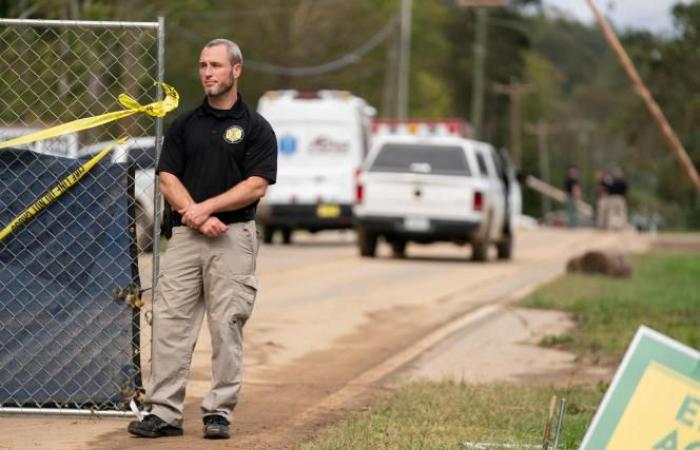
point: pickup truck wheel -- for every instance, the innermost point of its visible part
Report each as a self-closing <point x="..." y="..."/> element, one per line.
<point x="367" y="241"/>
<point x="267" y="234"/>
<point x="398" y="249"/>
<point x="480" y="250"/>
<point x="287" y="236"/>
<point x="505" y="247"/>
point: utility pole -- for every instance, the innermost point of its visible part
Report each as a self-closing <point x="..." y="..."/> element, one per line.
<point x="583" y="129"/>
<point x="389" y="101"/>
<point x="515" y="92"/>
<point x="404" y="59"/>
<point x="542" y="131"/>
<point x="477" y="111"/>
<point x="479" y="68"/>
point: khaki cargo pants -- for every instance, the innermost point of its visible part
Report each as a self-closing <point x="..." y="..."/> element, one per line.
<point x="199" y="274"/>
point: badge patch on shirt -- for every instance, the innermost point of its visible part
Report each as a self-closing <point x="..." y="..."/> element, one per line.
<point x="234" y="134"/>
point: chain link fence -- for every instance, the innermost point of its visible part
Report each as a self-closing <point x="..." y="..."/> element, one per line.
<point x="70" y="312"/>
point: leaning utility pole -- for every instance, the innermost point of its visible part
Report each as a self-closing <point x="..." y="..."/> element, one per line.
<point x="652" y="106"/>
<point x="404" y="59"/>
<point x="515" y="92"/>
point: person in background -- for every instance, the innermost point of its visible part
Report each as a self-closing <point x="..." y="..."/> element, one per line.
<point x="572" y="187"/>
<point x="617" y="215"/>
<point x="603" y="185"/>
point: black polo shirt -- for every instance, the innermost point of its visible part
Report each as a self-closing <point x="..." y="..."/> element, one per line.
<point x="212" y="150"/>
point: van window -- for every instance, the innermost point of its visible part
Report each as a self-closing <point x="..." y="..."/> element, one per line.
<point x="439" y="160"/>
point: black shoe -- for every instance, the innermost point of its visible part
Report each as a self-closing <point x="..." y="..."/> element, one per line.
<point x="215" y="427"/>
<point x="153" y="426"/>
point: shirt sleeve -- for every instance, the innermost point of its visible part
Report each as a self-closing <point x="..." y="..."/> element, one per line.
<point x="172" y="156"/>
<point x="261" y="155"/>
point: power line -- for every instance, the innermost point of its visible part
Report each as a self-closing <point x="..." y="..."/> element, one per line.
<point x="261" y="11"/>
<point x="320" y="69"/>
<point x="331" y="66"/>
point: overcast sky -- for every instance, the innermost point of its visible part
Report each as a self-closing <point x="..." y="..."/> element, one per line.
<point x="654" y="15"/>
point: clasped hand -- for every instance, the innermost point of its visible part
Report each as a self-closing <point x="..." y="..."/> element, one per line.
<point x="198" y="217"/>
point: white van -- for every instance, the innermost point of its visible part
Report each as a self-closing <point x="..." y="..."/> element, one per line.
<point x="322" y="139"/>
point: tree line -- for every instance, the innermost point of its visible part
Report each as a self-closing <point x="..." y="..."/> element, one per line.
<point x="575" y="85"/>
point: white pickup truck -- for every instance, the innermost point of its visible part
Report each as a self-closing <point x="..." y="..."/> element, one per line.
<point x="429" y="189"/>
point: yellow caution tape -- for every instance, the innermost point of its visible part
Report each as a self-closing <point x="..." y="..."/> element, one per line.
<point x="155" y="109"/>
<point x="58" y="190"/>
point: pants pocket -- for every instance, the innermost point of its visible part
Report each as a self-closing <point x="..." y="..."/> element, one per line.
<point x="249" y="236"/>
<point x="245" y="290"/>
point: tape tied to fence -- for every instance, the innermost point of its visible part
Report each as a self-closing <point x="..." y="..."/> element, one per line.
<point x="156" y="109"/>
<point x="58" y="190"/>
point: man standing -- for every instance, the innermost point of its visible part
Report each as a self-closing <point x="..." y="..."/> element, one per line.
<point x="216" y="164"/>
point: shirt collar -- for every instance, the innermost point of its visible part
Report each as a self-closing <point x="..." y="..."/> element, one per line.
<point x="236" y="111"/>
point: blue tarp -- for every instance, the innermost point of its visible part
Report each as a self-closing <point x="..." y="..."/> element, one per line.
<point x="64" y="340"/>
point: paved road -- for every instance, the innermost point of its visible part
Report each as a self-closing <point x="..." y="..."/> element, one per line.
<point x="326" y="332"/>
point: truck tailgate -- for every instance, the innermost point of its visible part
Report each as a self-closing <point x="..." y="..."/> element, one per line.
<point x="419" y="195"/>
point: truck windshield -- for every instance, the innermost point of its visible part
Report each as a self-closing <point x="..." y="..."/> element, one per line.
<point x="429" y="159"/>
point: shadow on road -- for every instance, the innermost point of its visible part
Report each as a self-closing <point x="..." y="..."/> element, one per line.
<point x="436" y="259"/>
<point x="315" y="244"/>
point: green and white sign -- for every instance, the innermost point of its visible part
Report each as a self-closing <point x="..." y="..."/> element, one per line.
<point x="653" y="402"/>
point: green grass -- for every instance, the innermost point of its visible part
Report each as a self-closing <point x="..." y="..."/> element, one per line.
<point x="663" y="293"/>
<point x="424" y="415"/>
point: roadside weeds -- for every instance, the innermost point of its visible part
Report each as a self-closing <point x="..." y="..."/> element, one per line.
<point x="662" y="294"/>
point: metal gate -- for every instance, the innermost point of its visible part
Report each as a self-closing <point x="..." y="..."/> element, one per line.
<point x="70" y="316"/>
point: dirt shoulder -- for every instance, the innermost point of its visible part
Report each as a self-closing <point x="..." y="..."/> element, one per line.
<point x="506" y="349"/>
